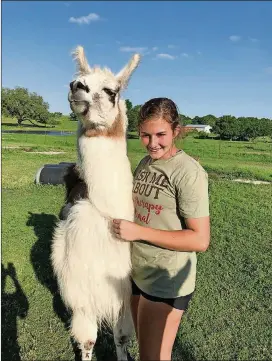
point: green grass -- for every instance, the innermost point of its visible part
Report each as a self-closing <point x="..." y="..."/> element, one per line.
<point x="223" y="158"/>
<point x="64" y="124"/>
<point x="230" y="314"/>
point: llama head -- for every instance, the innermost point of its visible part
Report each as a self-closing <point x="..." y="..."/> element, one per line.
<point x="95" y="93"/>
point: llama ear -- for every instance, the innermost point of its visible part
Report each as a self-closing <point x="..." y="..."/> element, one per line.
<point x="82" y="63"/>
<point x="124" y="75"/>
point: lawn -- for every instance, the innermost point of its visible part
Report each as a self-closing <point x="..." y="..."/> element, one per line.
<point x="64" y="124"/>
<point x="220" y="158"/>
<point x="230" y="315"/>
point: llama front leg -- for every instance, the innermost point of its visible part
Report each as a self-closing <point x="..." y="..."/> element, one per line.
<point x="87" y="350"/>
<point x="84" y="331"/>
<point x="122" y="333"/>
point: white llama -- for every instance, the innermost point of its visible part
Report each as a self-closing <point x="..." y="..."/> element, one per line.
<point x="92" y="266"/>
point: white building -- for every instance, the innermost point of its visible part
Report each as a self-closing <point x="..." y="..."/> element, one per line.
<point x="199" y="127"/>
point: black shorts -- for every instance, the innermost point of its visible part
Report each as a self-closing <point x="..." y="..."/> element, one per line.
<point x="179" y="303"/>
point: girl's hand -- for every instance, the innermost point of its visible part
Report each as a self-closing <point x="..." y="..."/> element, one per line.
<point x="126" y="230"/>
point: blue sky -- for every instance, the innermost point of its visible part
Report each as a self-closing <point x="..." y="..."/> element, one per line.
<point x="209" y="57"/>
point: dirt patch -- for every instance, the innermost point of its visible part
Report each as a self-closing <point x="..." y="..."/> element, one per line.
<point x="250" y="181"/>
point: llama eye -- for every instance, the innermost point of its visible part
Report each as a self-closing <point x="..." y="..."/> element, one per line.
<point x="109" y="92"/>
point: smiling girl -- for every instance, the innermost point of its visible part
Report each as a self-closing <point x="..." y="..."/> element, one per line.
<point x="171" y="224"/>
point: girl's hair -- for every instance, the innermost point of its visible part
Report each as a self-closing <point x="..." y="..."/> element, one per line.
<point x="160" y="108"/>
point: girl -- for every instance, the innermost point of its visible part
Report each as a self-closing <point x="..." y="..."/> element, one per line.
<point x="172" y="223"/>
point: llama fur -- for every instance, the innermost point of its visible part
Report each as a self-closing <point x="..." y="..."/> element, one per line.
<point x="91" y="265"/>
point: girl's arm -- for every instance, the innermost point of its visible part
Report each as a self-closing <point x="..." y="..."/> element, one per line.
<point x="195" y="238"/>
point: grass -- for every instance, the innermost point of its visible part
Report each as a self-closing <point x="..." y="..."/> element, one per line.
<point x="64" y="124"/>
<point x="222" y="158"/>
<point x="230" y="314"/>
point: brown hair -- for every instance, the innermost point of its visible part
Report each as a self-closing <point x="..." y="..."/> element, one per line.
<point x="162" y="108"/>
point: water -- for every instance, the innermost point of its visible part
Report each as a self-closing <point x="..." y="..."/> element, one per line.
<point x="43" y="132"/>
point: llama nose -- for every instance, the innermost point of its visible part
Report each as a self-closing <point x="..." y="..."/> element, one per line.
<point x="72" y="85"/>
<point x="75" y="85"/>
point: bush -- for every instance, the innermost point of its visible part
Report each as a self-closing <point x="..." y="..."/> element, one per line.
<point x="53" y="121"/>
<point x="202" y="135"/>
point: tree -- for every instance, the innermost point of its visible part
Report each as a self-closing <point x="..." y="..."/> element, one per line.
<point x="227" y="127"/>
<point x="184" y="119"/>
<point x="57" y="114"/>
<point x="242" y="128"/>
<point x="209" y="119"/>
<point x="198" y="120"/>
<point x="132" y="114"/>
<point x="23" y="105"/>
<point x="128" y="105"/>
<point x="73" y="117"/>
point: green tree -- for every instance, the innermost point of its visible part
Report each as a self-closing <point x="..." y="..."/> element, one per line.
<point x="209" y="119"/>
<point x="57" y="114"/>
<point x="132" y="114"/>
<point x="184" y="119"/>
<point x="227" y="127"/>
<point x="73" y="117"/>
<point x="128" y="105"/>
<point x="23" y="105"/>
<point x="197" y="120"/>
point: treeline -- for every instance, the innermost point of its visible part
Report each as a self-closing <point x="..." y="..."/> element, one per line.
<point x="21" y="104"/>
<point x="226" y="127"/>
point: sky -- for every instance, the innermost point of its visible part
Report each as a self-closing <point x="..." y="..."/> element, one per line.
<point x="209" y="57"/>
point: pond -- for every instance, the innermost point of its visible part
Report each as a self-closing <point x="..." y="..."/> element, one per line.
<point x="44" y="132"/>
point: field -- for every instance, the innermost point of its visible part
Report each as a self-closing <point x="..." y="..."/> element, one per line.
<point x="230" y="315"/>
<point x="64" y="124"/>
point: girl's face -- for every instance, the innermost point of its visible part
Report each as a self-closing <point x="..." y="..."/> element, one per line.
<point x="158" y="137"/>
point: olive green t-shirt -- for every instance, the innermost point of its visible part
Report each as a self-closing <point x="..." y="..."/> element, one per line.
<point x="165" y="193"/>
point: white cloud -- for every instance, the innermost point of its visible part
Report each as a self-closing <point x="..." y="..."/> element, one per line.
<point x="199" y="53"/>
<point x="235" y="38"/>
<point x="268" y="70"/>
<point x="185" y="55"/>
<point x="171" y="46"/>
<point x="131" y="49"/>
<point x="166" y="56"/>
<point x="253" y="40"/>
<point x="155" y="48"/>
<point x="85" y="19"/>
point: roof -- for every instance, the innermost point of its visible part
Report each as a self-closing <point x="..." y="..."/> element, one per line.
<point x="197" y="125"/>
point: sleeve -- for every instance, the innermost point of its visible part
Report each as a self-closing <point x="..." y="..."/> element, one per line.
<point x="193" y="194"/>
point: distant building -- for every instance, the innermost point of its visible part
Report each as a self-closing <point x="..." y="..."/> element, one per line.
<point x="198" y="127"/>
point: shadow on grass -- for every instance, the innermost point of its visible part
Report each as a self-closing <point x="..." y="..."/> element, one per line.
<point x="43" y="225"/>
<point x="13" y="305"/>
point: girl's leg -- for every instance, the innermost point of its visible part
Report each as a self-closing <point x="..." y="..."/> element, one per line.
<point x="157" y="324"/>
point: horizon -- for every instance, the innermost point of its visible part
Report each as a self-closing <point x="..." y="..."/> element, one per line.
<point x="209" y="57"/>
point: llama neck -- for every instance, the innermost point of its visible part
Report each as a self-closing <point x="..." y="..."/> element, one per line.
<point x="106" y="171"/>
<point x="101" y="143"/>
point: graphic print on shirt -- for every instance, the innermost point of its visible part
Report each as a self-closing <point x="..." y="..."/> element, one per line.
<point x="148" y="185"/>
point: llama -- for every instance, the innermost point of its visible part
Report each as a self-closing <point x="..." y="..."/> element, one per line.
<point x="92" y="266"/>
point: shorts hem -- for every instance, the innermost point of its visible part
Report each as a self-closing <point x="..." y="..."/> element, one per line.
<point x="180" y="302"/>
